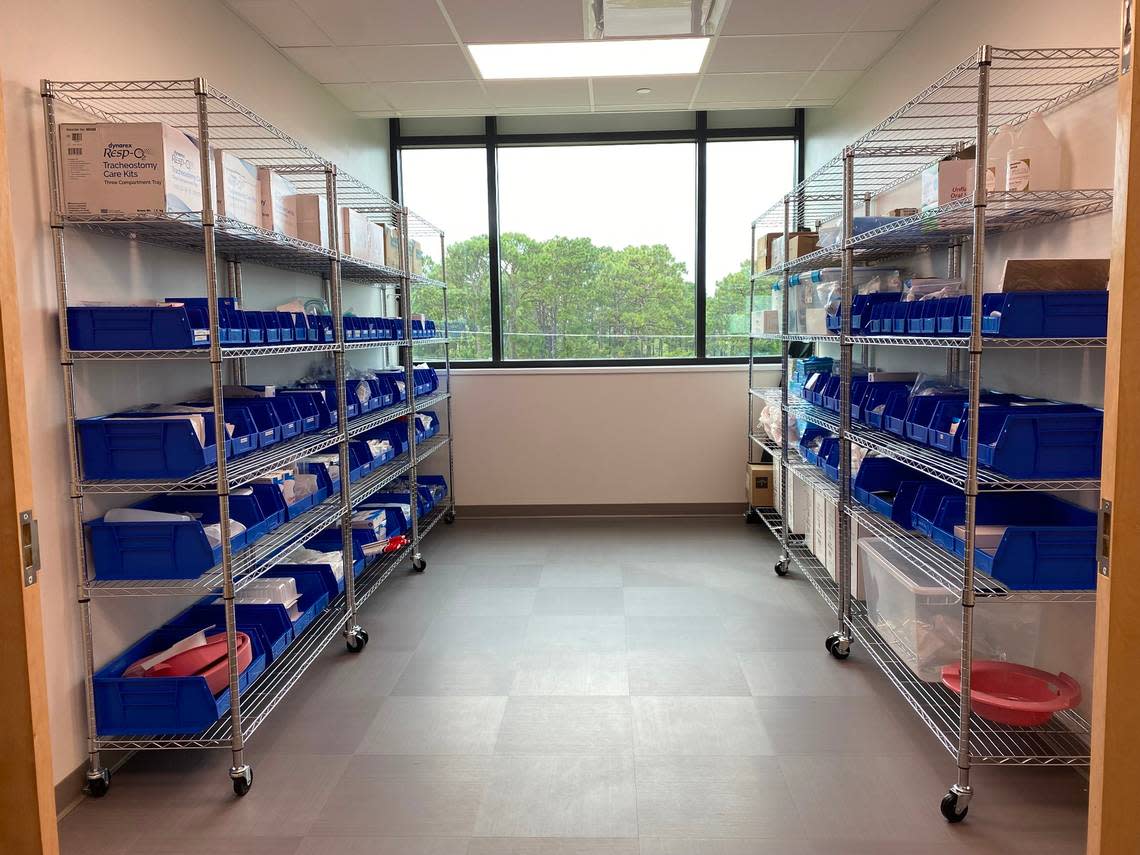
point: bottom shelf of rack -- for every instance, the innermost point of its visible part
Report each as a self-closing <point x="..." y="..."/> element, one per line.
<point x="1061" y="742"/>
<point x="260" y="699"/>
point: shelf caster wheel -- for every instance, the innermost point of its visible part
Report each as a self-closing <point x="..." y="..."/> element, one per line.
<point x="356" y="639"/>
<point x="449" y="517"/>
<point x="782" y="568"/>
<point x="950" y="807"/>
<point x="242" y="777"/>
<point x="838" y="646"/>
<point x="419" y="565"/>
<point x="751" y="516"/>
<point x="98" y="783"/>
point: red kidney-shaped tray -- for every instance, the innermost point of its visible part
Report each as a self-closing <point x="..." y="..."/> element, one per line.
<point x="1008" y="693"/>
<point x="208" y="660"/>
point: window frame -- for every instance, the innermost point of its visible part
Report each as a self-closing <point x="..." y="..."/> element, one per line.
<point x="492" y="141"/>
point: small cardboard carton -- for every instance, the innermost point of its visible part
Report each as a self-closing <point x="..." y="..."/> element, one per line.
<point x="392" y="248"/>
<point x="128" y="168"/>
<point x="312" y="218"/>
<point x="945" y="181"/>
<point x="278" y="202"/>
<point x="237" y="188"/>
<point x="759" y="485"/>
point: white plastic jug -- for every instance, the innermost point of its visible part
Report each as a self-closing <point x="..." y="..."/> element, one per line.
<point x="1035" y="162"/>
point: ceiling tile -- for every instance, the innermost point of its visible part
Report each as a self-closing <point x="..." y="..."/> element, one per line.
<point x="892" y="14"/>
<point x="410" y="62"/>
<point x="759" y="17"/>
<point x="435" y="95"/>
<point x="326" y="64"/>
<point x="539" y="93"/>
<point x="623" y="90"/>
<point x="750" y="88"/>
<point x="360" y="96"/>
<point x="861" y="50"/>
<point x="517" y="20"/>
<point x="379" y="22"/>
<point x="771" y="53"/>
<point x="280" y="21"/>
<point x="826" y="85"/>
<point x="640" y="107"/>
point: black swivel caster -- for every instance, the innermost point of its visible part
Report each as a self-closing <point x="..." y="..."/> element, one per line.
<point x="838" y="646"/>
<point x="98" y="783"/>
<point x="751" y="516"/>
<point x="449" y="517"/>
<point x="782" y="567"/>
<point x="356" y="639"/>
<point x="243" y="780"/>
<point x="419" y="565"/>
<point x="950" y="809"/>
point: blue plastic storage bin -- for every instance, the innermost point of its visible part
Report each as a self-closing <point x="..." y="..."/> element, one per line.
<point x="1048" y="544"/>
<point x="862" y="308"/>
<point x="436" y="485"/>
<point x="807" y="438"/>
<point x="315" y="407"/>
<point x="351" y="402"/>
<point x="814" y="393"/>
<point x="333" y="586"/>
<point x="920" y="411"/>
<point x="888" y="487"/>
<point x="927" y="500"/>
<point x="829" y="398"/>
<point x="131" y="445"/>
<point x="230" y="322"/>
<point x="1046" y="314"/>
<point x="828" y="457"/>
<point x="322" y="327"/>
<point x="875" y="399"/>
<point x="270" y="622"/>
<point x="1038" y="441"/>
<point x="136" y="328"/>
<point x="312" y="588"/>
<point x="140" y="706"/>
<point x="173" y="549"/>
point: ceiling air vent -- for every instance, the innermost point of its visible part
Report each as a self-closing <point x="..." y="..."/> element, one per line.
<point x="625" y="19"/>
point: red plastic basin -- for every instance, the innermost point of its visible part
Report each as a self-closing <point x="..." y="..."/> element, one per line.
<point x="1008" y="693"/>
<point x="209" y="661"/>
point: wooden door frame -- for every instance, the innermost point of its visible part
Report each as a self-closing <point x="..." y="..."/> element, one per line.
<point x="27" y="795"/>
<point x="1114" y="819"/>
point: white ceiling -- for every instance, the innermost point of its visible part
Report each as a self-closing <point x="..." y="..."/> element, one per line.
<point x="386" y="58"/>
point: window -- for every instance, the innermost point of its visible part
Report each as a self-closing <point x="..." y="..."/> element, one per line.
<point x="448" y="186"/>
<point x="598" y="251"/>
<point x="738" y="174"/>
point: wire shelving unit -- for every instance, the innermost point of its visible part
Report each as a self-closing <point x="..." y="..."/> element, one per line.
<point x="994" y="87"/>
<point x="214" y="119"/>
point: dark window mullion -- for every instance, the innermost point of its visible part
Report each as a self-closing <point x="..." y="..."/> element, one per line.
<point x="701" y="331"/>
<point x="492" y="145"/>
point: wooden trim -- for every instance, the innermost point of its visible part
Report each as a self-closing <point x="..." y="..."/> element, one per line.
<point x="27" y="800"/>
<point x="1114" y="821"/>
<point x="719" y="509"/>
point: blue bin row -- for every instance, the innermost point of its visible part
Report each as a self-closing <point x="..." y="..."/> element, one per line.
<point x="135" y="706"/>
<point x="136" y="444"/>
<point x="1048" y="544"/>
<point x="1018" y="314"/>
<point x="1019" y="436"/>
<point x="188" y="326"/>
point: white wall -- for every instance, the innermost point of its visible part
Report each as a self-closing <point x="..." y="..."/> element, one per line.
<point x="601" y="436"/>
<point x="159" y="39"/>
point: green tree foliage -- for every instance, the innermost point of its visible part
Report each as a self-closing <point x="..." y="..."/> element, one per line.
<point x="567" y="298"/>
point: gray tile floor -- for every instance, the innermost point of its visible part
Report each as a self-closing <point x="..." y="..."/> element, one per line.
<point x="585" y="688"/>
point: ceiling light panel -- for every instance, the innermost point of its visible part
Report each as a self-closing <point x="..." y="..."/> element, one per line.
<point x="590" y="59"/>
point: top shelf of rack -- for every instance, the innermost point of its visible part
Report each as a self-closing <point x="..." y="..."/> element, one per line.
<point x="236" y="128"/>
<point x="941" y="120"/>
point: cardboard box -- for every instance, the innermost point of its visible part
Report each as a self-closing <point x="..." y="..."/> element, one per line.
<point x="1055" y="274"/>
<point x="278" y="202"/>
<point x="945" y="181"/>
<point x="415" y="256"/>
<point x="831" y="536"/>
<point x="801" y="503"/>
<point x="902" y="212"/>
<point x="777" y="486"/>
<point x="800" y="243"/>
<point x="759" y="485"/>
<point x="125" y="169"/>
<point x="312" y="218"/>
<point x="986" y="537"/>
<point x="236" y="188"/>
<point x="769" y="322"/>
<point x="764" y="251"/>
<point x="818" y="544"/>
<point x="392" y="248"/>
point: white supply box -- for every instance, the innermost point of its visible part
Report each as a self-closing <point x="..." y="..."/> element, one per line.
<point x="360" y="237"/>
<point x="278" y="205"/>
<point x="124" y="169"/>
<point x="801" y="502"/>
<point x="237" y="188"/>
<point x="312" y="218"/>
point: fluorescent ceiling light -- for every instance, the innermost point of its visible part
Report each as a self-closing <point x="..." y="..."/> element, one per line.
<point x="612" y="58"/>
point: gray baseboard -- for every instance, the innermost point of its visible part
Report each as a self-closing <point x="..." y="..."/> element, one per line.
<point x="69" y="791"/>
<point x="662" y="509"/>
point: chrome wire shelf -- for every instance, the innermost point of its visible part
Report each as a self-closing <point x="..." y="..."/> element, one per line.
<point x="944" y="467"/>
<point x="1062" y="742"/>
<point x="267" y="692"/>
<point x="203" y="353"/>
<point x="941" y="120"/>
<point x="823" y="338"/>
<point x="988" y="343"/>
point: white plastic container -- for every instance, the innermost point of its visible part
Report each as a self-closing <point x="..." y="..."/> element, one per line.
<point x="1035" y="162"/>
<point x="922" y="622"/>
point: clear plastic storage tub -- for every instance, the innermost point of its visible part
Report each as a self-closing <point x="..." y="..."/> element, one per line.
<point x="922" y="622"/>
